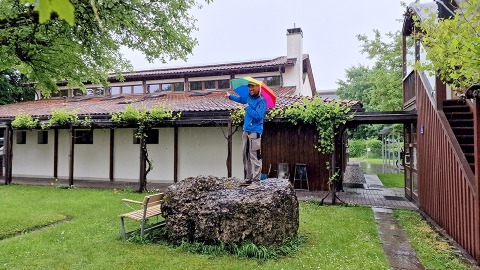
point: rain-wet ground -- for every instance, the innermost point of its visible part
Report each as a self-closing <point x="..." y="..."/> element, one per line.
<point x="375" y="168"/>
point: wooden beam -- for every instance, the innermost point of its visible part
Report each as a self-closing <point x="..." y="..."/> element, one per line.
<point x="229" y="150"/>
<point x="8" y="153"/>
<point x="142" y="164"/>
<point x="72" y="156"/>
<point x="175" y="154"/>
<point x="112" y="145"/>
<point x="55" y="153"/>
<point x="440" y="93"/>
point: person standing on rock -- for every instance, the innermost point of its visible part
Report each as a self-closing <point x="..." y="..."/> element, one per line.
<point x="255" y="110"/>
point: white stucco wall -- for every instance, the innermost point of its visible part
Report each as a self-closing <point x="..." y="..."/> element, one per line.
<point x="306" y="88"/>
<point x="201" y="151"/>
<point x="126" y="156"/>
<point x="92" y="160"/>
<point x="161" y="155"/>
<point x="32" y="159"/>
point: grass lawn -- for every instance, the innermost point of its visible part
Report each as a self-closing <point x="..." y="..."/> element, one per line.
<point x="368" y="160"/>
<point x="392" y="180"/>
<point x="432" y="250"/>
<point x="89" y="238"/>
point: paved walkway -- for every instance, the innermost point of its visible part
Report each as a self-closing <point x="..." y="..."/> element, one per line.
<point x="372" y="194"/>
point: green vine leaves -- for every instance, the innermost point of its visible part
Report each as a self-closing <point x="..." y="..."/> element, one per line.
<point x="142" y="116"/>
<point x="59" y="117"/>
<point x="25" y="121"/>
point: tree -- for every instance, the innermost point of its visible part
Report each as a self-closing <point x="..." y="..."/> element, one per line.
<point x="87" y="51"/>
<point x="453" y="46"/>
<point x="13" y="88"/>
<point x="378" y="87"/>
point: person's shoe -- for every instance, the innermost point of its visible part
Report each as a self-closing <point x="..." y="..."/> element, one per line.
<point x="245" y="183"/>
<point x="253" y="186"/>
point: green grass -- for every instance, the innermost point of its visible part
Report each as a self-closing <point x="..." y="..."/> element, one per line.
<point x="433" y="251"/>
<point x="337" y="237"/>
<point x="368" y="160"/>
<point x="395" y="180"/>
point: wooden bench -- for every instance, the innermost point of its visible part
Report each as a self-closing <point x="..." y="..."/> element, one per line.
<point x="150" y="207"/>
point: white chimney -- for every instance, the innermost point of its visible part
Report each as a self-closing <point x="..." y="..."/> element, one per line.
<point x="293" y="75"/>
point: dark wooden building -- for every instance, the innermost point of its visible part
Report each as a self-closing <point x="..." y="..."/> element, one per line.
<point x="442" y="148"/>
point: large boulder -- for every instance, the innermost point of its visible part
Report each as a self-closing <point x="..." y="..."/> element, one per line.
<point x="212" y="210"/>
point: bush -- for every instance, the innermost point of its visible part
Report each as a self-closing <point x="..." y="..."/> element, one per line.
<point x="358" y="148"/>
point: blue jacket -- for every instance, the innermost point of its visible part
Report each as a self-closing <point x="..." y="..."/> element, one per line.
<point x="254" y="112"/>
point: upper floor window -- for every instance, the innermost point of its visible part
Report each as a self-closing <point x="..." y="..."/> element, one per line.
<point x="270" y="80"/>
<point x="178" y="87"/>
<point x="166" y="87"/>
<point x="273" y="80"/>
<point x="196" y="86"/>
<point x="61" y="93"/>
<point x="223" y="84"/>
<point x="126" y="89"/>
<point x="210" y="85"/>
<point x="97" y="91"/>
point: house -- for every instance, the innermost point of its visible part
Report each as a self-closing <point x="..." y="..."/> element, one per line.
<point x="195" y="144"/>
<point x="442" y="148"/>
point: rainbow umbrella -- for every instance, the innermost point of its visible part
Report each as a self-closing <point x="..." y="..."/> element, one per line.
<point x="240" y="86"/>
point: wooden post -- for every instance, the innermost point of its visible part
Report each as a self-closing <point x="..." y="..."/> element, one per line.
<point x="72" y="156"/>
<point x="175" y="154"/>
<point x="229" y="150"/>
<point x="142" y="178"/>
<point x="112" y="145"/>
<point x="404" y="57"/>
<point x="55" y="153"/>
<point x="8" y="148"/>
<point x="440" y="93"/>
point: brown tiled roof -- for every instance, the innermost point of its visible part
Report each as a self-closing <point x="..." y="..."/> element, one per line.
<point x="275" y="62"/>
<point x="180" y="102"/>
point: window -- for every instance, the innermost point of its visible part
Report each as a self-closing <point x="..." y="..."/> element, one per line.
<point x="210" y="85"/>
<point x="178" y="87"/>
<point x="97" y="91"/>
<point x="42" y="137"/>
<point x="152" y="88"/>
<point x="195" y="86"/>
<point x="77" y="92"/>
<point x="21" y="137"/>
<point x="115" y="90"/>
<point x="138" y="89"/>
<point x="273" y="80"/>
<point x="83" y="136"/>
<point x="126" y="89"/>
<point x="167" y="87"/>
<point x="61" y="93"/>
<point x="223" y="84"/>
<point x="152" y="137"/>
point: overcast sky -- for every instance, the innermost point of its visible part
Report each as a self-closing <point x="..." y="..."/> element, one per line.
<point x="227" y="27"/>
